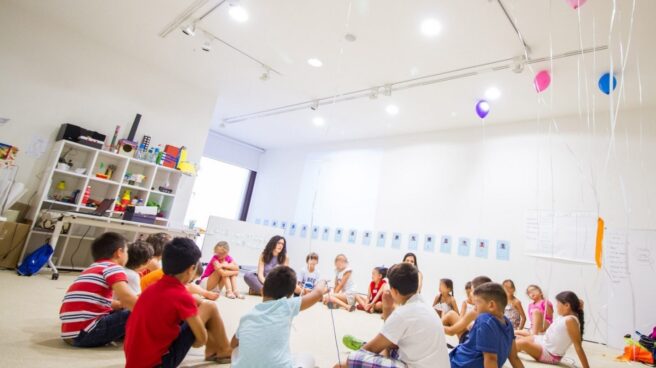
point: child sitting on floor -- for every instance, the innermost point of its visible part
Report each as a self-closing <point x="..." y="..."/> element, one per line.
<point x="468" y="304"/>
<point x="412" y="335"/>
<point x="373" y="302"/>
<point x="222" y="271"/>
<point x="262" y="337"/>
<point x="157" y="241"/>
<point x="139" y="254"/>
<point x="492" y="339"/>
<point x="565" y="331"/>
<point x="343" y="294"/>
<point x="154" y="276"/>
<point x="166" y="321"/>
<point x="445" y="301"/>
<point x="540" y="311"/>
<point x="455" y="324"/>
<point x="309" y="276"/>
<point x="514" y="310"/>
<point x="89" y="316"/>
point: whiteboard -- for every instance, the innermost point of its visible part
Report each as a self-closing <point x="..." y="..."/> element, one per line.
<point x="246" y="240"/>
<point x="630" y="267"/>
<point x="567" y="236"/>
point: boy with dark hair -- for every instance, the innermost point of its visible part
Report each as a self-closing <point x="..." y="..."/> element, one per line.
<point x="491" y="340"/>
<point x="412" y="334"/>
<point x="166" y="321"/>
<point x="263" y="333"/>
<point x="89" y="316"/>
<point x="456" y="324"/>
<point x="139" y="253"/>
<point x="157" y="240"/>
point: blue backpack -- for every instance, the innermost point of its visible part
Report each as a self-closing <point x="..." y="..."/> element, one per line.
<point x="35" y="260"/>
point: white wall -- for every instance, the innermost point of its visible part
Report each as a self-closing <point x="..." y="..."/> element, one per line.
<point x="51" y="75"/>
<point x="471" y="182"/>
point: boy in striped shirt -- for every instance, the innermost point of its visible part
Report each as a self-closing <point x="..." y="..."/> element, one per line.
<point x="89" y="316"/>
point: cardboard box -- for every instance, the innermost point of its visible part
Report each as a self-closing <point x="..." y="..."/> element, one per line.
<point x="12" y="241"/>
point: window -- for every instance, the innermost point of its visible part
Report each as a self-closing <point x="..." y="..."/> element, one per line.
<point x="219" y="190"/>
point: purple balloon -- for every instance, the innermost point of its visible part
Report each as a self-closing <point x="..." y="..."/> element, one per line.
<point x="482" y="108"/>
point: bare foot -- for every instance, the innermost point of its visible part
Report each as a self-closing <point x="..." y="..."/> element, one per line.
<point x="210" y="295"/>
<point x="230" y="295"/>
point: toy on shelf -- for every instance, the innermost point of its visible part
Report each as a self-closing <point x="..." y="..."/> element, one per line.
<point x="134" y="179"/>
<point x="59" y="192"/>
<point x="107" y="174"/>
<point x="124" y="203"/>
<point x="171" y="158"/>
<point x="85" y="196"/>
<point x="127" y="148"/>
<point x="113" y="147"/>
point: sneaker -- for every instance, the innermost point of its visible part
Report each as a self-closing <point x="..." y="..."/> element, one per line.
<point x="352" y="343"/>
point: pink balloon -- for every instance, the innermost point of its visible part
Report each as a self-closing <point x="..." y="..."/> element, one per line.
<point x="542" y="80"/>
<point x="575" y="4"/>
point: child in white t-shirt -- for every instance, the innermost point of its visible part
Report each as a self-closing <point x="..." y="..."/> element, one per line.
<point x="412" y="335"/>
<point x="343" y="294"/>
<point x="139" y="254"/>
<point x="309" y="276"/>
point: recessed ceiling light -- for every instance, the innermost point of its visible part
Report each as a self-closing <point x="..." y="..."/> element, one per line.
<point x="492" y="93"/>
<point x="392" y="109"/>
<point x="238" y="13"/>
<point x="318" y="121"/>
<point x="315" y="62"/>
<point x="431" y="27"/>
<point x="453" y="114"/>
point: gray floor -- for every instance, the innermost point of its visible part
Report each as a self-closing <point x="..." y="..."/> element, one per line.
<point x="30" y="329"/>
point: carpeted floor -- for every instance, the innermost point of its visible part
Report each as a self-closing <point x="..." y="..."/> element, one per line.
<point x="29" y="323"/>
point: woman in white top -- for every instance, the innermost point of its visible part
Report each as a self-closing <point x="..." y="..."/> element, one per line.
<point x="412" y="259"/>
<point x="343" y="295"/>
<point x="563" y="332"/>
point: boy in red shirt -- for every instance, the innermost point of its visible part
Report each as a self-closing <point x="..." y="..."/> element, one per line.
<point x="167" y="321"/>
<point x="89" y="316"/>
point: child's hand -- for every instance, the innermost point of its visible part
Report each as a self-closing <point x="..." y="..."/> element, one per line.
<point x="216" y="265"/>
<point x="322" y="287"/>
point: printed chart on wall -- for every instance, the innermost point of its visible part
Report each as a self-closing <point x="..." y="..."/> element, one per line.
<point x="246" y="240"/>
<point x="567" y="236"/>
<point x="630" y="265"/>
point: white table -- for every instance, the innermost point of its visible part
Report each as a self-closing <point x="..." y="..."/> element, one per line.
<point x="108" y="223"/>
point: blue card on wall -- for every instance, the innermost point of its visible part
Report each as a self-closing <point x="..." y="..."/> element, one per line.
<point x="325" y="234"/>
<point x="258" y="221"/>
<point x="315" y="232"/>
<point x="463" y="247"/>
<point x="445" y="244"/>
<point x="283" y="225"/>
<point x="429" y="243"/>
<point x="503" y="250"/>
<point x="353" y="234"/>
<point x="366" y="238"/>
<point x="274" y="223"/>
<point x="338" y="234"/>
<point x="412" y="241"/>
<point x="292" y="229"/>
<point x="380" y="242"/>
<point x="396" y="240"/>
<point x="303" y="231"/>
<point x="265" y="222"/>
<point x="481" y="248"/>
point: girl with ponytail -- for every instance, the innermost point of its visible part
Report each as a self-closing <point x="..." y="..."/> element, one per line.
<point x="563" y="333"/>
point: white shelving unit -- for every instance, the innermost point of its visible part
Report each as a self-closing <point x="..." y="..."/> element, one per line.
<point x="89" y="162"/>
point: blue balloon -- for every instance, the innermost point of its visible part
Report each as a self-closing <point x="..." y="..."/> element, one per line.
<point x="605" y="83"/>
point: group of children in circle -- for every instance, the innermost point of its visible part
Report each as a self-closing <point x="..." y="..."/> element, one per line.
<point x="166" y="275"/>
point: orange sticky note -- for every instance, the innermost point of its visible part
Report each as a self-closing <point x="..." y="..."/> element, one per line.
<point x="600" y="240"/>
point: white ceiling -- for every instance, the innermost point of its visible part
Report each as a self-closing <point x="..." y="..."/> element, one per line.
<point x="389" y="48"/>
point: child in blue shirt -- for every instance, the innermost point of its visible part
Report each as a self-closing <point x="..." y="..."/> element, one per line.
<point x="263" y="333"/>
<point x="492" y="339"/>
